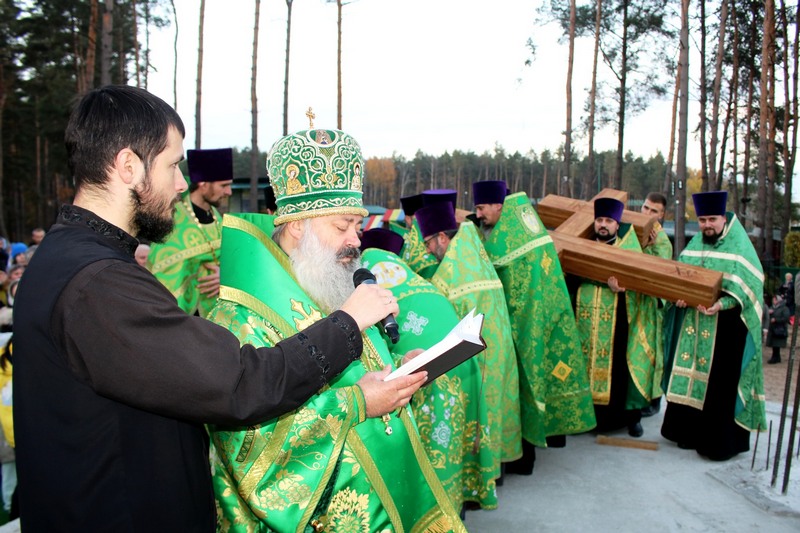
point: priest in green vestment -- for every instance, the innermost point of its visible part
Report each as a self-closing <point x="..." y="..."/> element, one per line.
<point x="414" y="253"/>
<point x="555" y="398"/>
<point x="617" y="330"/>
<point x="713" y="374"/>
<point x="658" y="245"/>
<point x="187" y="262"/>
<point x="467" y="278"/>
<point x="350" y="458"/>
<point x="451" y="413"/>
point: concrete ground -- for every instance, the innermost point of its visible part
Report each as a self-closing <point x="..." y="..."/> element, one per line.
<point x="592" y="487"/>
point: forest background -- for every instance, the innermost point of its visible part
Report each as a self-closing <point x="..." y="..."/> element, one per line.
<point x="734" y="63"/>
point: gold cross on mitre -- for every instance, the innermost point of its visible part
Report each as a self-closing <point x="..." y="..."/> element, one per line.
<point x="311" y="116"/>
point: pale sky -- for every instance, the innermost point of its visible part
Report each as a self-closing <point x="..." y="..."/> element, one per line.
<point x="433" y="75"/>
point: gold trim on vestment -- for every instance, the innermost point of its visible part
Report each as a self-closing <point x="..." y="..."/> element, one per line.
<point x="240" y="297"/>
<point x="692" y="373"/>
<point x="186" y="253"/>
<point x="339" y="443"/>
<point x="376" y="479"/>
<point x="462" y="290"/>
<point x="736" y="258"/>
<point x="522" y="250"/>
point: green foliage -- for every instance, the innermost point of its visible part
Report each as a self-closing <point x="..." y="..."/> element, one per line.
<point x="791" y="249"/>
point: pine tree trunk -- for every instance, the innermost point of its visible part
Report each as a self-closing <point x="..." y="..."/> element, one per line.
<point x="3" y="231"/>
<point x="671" y="152"/>
<point x="715" y="97"/>
<point x="137" y="59"/>
<point x="703" y="99"/>
<point x="253" y="207"/>
<point x="616" y="182"/>
<point x="286" y="71"/>
<point x="683" y="132"/>
<point x="734" y="96"/>
<point x="769" y="214"/>
<point x="763" y="132"/>
<point x="107" y="44"/>
<point x="199" y="91"/>
<point x="86" y="68"/>
<point x="175" y="55"/>
<point x="591" y="175"/>
<point x="789" y="115"/>
<point x="339" y="65"/>
<point x="568" y="130"/>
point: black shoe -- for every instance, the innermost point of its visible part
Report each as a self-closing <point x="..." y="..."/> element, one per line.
<point x="636" y="430"/>
<point x="774" y="361"/>
<point x="651" y="410"/>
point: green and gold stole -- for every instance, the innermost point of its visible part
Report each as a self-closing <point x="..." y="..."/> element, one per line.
<point x="467" y="278"/>
<point x="322" y="462"/>
<point x="451" y="412"/>
<point x="179" y="261"/>
<point x="416" y="255"/>
<point x="554" y="386"/>
<point x="653" y="311"/>
<point x="596" y="314"/>
<point x="691" y="335"/>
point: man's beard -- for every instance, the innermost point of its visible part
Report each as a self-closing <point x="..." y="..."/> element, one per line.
<point x="486" y="229"/>
<point x="711" y="239"/>
<point x="321" y="272"/>
<point x="607" y="238"/>
<point x="152" y="218"/>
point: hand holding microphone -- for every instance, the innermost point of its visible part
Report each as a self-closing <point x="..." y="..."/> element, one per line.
<point x="371" y="303"/>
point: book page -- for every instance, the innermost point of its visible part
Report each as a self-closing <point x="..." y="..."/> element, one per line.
<point x="467" y="330"/>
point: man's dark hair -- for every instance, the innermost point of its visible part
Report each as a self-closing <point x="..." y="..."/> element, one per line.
<point x="658" y="198"/>
<point x="110" y="119"/>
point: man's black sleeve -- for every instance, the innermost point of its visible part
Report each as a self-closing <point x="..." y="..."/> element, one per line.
<point x="126" y="338"/>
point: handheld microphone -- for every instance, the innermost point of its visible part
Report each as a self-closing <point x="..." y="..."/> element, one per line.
<point x="363" y="275"/>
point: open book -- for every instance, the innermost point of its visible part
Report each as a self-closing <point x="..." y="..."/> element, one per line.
<point x="463" y="342"/>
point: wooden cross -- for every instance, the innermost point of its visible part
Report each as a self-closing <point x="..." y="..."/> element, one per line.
<point x="573" y="224"/>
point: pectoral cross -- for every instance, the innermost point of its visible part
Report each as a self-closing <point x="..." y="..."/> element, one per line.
<point x="572" y="223"/>
<point x="311" y="116"/>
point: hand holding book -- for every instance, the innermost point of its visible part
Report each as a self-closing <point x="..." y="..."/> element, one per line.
<point x="461" y="343"/>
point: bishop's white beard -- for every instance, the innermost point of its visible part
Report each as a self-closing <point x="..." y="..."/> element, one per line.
<point x="320" y="272"/>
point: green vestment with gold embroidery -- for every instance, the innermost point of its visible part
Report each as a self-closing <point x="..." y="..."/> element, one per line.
<point x="554" y="386"/>
<point x="691" y="335"/>
<point x="451" y="413"/>
<point x="596" y="316"/>
<point x="662" y="247"/>
<point x="180" y="260"/>
<point x="324" y="463"/>
<point x="468" y="279"/>
<point x="416" y="254"/>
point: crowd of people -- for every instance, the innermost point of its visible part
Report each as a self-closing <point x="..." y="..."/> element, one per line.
<point x="181" y="370"/>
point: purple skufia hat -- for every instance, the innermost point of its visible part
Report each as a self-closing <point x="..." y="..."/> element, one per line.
<point x="435" y="196"/>
<point x="382" y="238"/>
<point x="707" y="204"/>
<point x="609" y="208"/>
<point x="210" y="165"/>
<point x="435" y="218"/>
<point x="411" y="203"/>
<point x="489" y="192"/>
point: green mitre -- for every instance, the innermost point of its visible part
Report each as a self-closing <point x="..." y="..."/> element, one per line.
<point x="316" y="173"/>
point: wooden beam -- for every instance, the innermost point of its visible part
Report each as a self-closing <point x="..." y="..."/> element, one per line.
<point x="627" y="443"/>
<point x="638" y="272"/>
<point x="576" y="217"/>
